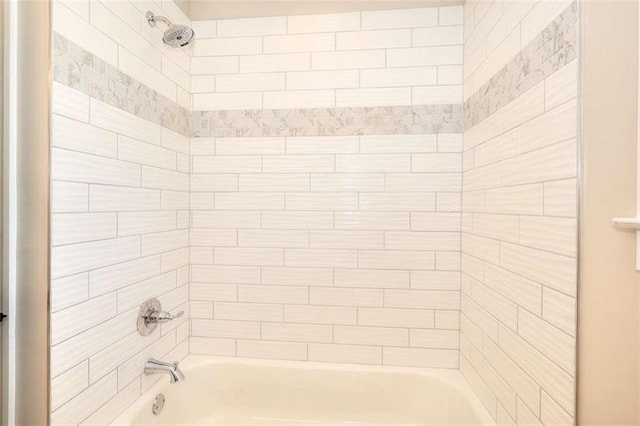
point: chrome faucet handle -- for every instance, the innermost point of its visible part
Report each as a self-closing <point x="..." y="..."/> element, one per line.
<point x="160" y="317"/>
<point x="151" y="314"/>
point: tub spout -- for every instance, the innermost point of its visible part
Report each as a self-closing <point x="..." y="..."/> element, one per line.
<point x="153" y="366"/>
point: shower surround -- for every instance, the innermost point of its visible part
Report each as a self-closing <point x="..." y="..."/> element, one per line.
<point x="300" y="187"/>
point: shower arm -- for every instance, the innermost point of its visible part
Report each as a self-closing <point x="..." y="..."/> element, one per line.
<point x="154" y="19"/>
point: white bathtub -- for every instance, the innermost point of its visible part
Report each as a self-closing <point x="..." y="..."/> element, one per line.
<point x="233" y="391"/>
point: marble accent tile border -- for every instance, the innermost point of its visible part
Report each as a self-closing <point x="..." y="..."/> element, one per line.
<point x="82" y="70"/>
<point x="552" y="49"/>
<point x="416" y="119"/>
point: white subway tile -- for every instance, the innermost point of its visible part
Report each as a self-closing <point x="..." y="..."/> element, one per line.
<point x="428" y="95"/>
<point x="248" y="256"/>
<point x="275" y="62"/>
<point x="82" y="227"/>
<point x="451" y="15"/>
<point x="153" y="177"/>
<point x="272" y="350"/>
<point x="401" y="201"/>
<point x="86" y="402"/>
<point x="69" y="197"/>
<point x="297" y="332"/>
<point x="247" y="311"/>
<point x="222" y="101"/>
<point x="124" y="123"/>
<point x="78" y="30"/>
<point x="113" y="198"/>
<point x="373" y="97"/>
<point x="247" y="146"/>
<point x="309" y="80"/>
<point x="164" y="241"/>
<point x="250" y="82"/>
<point x="251" y="26"/>
<point x="297" y="220"/>
<point x="214" y="182"/>
<point x="225" y="274"/>
<point x="414" y="357"/>
<point x="272" y="238"/>
<point x="225" y="219"/>
<point x="424" y="56"/>
<point x="203" y="83"/>
<point x="318" y="201"/>
<point x="75" y="135"/>
<point x="274" y="182"/>
<point x="389" y="317"/>
<point x="346" y="239"/>
<point x="436" y="339"/>
<point x="398" y="143"/>
<point x="145" y="153"/>
<point x="328" y="258"/>
<point x="227" y="164"/>
<point x="299" y="99"/>
<point x="297" y="276"/>
<point x="373" y="39"/>
<point x="347" y="182"/>
<point x="370" y="278"/>
<point x="206" y="65"/>
<point x="323" y="23"/>
<point x="439" y="36"/>
<point x="435" y="280"/>
<point x="450" y="74"/>
<point x="83" y="316"/>
<point x="205" y="29"/>
<point x="225" y="329"/>
<point x="388" y="77"/>
<point x="372" y="221"/>
<point x="348" y="60"/>
<point x="378" y="336"/>
<point x="422" y="299"/>
<point x="69" y="291"/>
<point x="350" y="354"/>
<point x="142" y="71"/>
<point x="345" y="297"/>
<point x="396" y="259"/>
<point x="299" y="43"/>
<point x="402" y="18"/>
<point x="135" y="223"/>
<point x="72" y="259"/>
<point x="249" y="201"/>
<point x="78" y="167"/>
<point x="223" y="47"/>
<point x="322" y="145"/>
<point x="308" y="314"/>
<point x="273" y="294"/>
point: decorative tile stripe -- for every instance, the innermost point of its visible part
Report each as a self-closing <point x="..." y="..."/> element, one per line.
<point x="417" y="119"/>
<point x="84" y="71"/>
<point x="79" y="69"/>
<point x="552" y="49"/>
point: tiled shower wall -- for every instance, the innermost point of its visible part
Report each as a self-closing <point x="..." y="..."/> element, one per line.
<point x="324" y="225"/>
<point x="120" y="201"/>
<point x="518" y="308"/>
<point x="316" y="209"/>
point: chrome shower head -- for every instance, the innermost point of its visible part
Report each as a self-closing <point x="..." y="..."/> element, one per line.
<point x="175" y="35"/>
<point x="178" y="36"/>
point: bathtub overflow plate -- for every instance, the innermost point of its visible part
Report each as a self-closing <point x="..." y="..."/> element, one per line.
<point x="158" y="404"/>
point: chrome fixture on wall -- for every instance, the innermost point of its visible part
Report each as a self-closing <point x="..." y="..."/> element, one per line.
<point x="153" y="366"/>
<point x="151" y="314"/>
<point x="174" y="35"/>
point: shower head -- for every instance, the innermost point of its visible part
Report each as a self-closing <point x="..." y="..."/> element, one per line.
<point x="175" y="35"/>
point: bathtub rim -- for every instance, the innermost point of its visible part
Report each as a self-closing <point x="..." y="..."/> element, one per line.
<point x="452" y="377"/>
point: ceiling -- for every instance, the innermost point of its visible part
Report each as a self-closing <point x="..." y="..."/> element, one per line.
<point x="228" y="9"/>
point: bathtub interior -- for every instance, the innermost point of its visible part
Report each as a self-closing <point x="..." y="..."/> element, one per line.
<point x="236" y="391"/>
